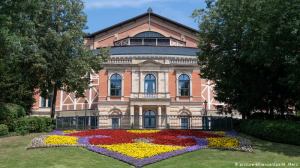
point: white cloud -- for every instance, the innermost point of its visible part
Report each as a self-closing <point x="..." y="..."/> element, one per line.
<point x="120" y="3"/>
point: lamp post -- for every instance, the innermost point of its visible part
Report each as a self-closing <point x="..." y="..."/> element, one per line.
<point x="85" y="114"/>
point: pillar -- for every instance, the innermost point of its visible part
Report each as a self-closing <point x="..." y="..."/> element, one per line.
<point x="168" y="114"/>
<point x="141" y="117"/>
<point x="131" y="115"/>
<point x="159" y="117"/>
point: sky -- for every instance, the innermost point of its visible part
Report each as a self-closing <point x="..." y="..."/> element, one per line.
<point x="104" y="13"/>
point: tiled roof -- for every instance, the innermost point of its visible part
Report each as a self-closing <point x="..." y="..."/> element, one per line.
<point x="153" y="50"/>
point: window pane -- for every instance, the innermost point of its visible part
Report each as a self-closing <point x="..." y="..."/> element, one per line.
<point x="186" y="92"/>
<point x="181" y="92"/>
<point x="50" y="101"/>
<point x="118" y="92"/>
<point x="163" y="42"/>
<point x="43" y="102"/>
<point x="149" y="41"/>
<point x="135" y="41"/>
<point x="112" y="92"/>
<point x="186" y="84"/>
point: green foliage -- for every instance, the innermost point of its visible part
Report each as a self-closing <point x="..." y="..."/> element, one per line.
<point x="34" y="124"/>
<point x="272" y="130"/>
<point x="9" y="113"/>
<point x="20" y="60"/>
<point x="42" y="46"/>
<point x="61" y="36"/>
<point x="250" y="50"/>
<point x="3" y="130"/>
<point x="168" y="126"/>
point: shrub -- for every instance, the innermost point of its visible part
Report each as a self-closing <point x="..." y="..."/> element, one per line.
<point x="34" y="124"/>
<point x="9" y="113"/>
<point x="273" y="130"/>
<point x="3" y="130"/>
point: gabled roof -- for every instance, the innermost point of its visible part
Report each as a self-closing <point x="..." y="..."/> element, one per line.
<point x="153" y="50"/>
<point x="137" y="17"/>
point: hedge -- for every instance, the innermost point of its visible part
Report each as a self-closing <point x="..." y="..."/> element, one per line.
<point x="9" y="113"/>
<point x="272" y="130"/>
<point x="34" y="124"/>
<point x="3" y="130"/>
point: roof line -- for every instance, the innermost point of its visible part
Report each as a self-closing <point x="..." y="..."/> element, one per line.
<point x="134" y="18"/>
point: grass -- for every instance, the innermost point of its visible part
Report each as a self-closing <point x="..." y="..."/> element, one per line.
<point x="13" y="153"/>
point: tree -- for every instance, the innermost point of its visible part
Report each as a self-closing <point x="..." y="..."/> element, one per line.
<point x="68" y="61"/>
<point x="250" y="50"/>
<point x="20" y="60"/>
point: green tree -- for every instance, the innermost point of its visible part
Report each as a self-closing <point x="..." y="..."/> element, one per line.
<point x="68" y="61"/>
<point x="20" y="60"/>
<point x="250" y="49"/>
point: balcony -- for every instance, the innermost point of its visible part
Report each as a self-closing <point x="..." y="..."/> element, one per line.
<point x="164" y="95"/>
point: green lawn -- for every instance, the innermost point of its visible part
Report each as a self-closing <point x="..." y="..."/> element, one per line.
<point x="13" y="153"/>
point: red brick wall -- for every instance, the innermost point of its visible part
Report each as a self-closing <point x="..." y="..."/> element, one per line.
<point x="127" y="84"/>
<point x="103" y="77"/>
<point x="172" y="85"/>
<point x="191" y="42"/>
<point x="196" y="86"/>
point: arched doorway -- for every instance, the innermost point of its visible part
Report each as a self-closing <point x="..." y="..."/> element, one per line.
<point x="149" y="119"/>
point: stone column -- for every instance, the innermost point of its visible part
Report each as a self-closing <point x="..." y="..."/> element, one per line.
<point x="131" y="115"/>
<point x="159" y="117"/>
<point x="168" y="113"/>
<point x="141" y="117"/>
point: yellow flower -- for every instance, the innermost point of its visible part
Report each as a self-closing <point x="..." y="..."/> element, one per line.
<point x="60" y="140"/>
<point x="143" y="131"/>
<point x="69" y="131"/>
<point x="220" y="132"/>
<point x="140" y="150"/>
<point x="223" y="142"/>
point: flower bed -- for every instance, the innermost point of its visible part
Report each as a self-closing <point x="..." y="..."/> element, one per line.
<point x="142" y="147"/>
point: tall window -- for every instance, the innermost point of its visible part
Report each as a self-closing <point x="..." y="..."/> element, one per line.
<point x="150" y="84"/>
<point x="184" y="85"/>
<point x="115" y="85"/>
<point x="46" y="102"/>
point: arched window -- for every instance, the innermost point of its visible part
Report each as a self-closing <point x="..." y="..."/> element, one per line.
<point x="184" y="85"/>
<point x="115" y="85"/>
<point x="149" y="34"/>
<point x="150" y="84"/>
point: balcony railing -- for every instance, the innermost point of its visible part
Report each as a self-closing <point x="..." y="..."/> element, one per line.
<point x="164" y="95"/>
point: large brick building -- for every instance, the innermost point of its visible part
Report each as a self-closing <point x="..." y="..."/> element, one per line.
<point x="152" y="73"/>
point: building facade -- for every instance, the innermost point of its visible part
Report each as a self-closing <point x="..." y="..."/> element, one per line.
<point x="151" y="75"/>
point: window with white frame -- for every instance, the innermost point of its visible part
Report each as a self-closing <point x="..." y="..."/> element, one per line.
<point x="115" y="85"/>
<point x="184" y="85"/>
<point x="46" y="102"/>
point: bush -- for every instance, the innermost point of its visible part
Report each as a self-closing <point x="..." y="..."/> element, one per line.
<point x="3" y="130"/>
<point x="9" y="113"/>
<point x="34" y="124"/>
<point x="272" y="130"/>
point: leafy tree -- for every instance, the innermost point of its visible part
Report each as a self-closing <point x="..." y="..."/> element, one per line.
<point x="250" y="50"/>
<point x="20" y="60"/>
<point x="68" y="61"/>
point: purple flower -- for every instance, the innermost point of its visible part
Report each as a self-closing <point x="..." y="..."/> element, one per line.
<point x="56" y="133"/>
<point x="85" y="140"/>
<point x="233" y="133"/>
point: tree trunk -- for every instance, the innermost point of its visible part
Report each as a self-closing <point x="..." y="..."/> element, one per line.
<point x="248" y="114"/>
<point x="54" y="101"/>
<point x="271" y="111"/>
<point x="243" y="115"/>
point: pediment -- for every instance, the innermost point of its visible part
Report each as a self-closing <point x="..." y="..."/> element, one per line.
<point x="150" y="63"/>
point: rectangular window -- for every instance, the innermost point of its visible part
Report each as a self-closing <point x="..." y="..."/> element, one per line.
<point x="184" y="89"/>
<point x="149" y="41"/>
<point x="43" y="102"/>
<point x="163" y="42"/>
<point x="136" y="42"/>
